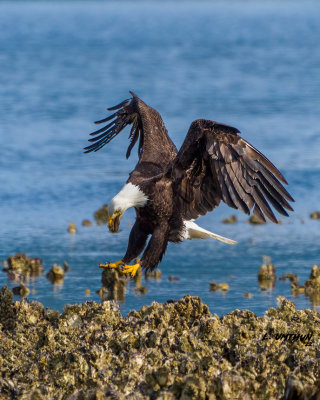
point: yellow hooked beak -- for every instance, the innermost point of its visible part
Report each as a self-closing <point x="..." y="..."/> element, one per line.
<point x="114" y="221"/>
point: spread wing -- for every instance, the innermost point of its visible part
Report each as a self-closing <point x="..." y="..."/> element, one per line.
<point x="127" y="114"/>
<point x="215" y="164"/>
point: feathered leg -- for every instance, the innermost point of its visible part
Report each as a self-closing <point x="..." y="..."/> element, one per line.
<point x="137" y="241"/>
<point x="156" y="247"/>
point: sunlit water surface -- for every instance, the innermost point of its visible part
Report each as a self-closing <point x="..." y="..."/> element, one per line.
<point x="249" y="64"/>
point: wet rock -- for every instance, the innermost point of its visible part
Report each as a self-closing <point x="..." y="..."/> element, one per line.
<point x="137" y="279"/>
<point x="176" y="350"/>
<point x="315" y="215"/>
<point x="247" y="294"/>
<point x="173" y="278"/>
<point x="86" y="222"/>
<point x="267" y="275"/>
<point x="114" y="282"/>
<point x="22" y="264"/>
<point x="21" y="290"/>
<point x="219" y="286"/>
<point x="141" y="290"/>
<point x="55" y="274"/>
<point x="256" y="221"/>
<point x="66" y="267"/>
<point x="312" y="286"/>
<point x="101" y="216"/>
<point x="230" y="220"/>
<point x="72" y="228"/>
<point x="156" y="274"/>
<point x="297" y="289"/>
<point x="293" y="278"/>
<point x="7" y="311"/>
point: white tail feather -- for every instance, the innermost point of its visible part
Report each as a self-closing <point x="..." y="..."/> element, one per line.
<point x="193" y="231"/>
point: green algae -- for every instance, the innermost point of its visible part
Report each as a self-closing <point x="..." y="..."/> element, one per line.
<point x="176" y="350"/>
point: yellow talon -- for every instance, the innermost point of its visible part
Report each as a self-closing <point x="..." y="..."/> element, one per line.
<point x="111" y="265"/>
<point x="130" y="269"/>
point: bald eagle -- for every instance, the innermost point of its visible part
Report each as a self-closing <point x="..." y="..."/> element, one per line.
<point x="169" y="189"/>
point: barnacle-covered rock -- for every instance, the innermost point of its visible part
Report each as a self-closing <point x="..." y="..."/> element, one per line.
<point x="219" y="286"/>
<point x="267" y="276"/>
<point x="312" y="286"/>
<point x="141" y="290"/>
<point x="315" y="215"/>
<point x="55" y="274"/>
<point x="101" y="216"/>
<point x="24" y="265"/>
<point x="72" y="228"/>
<point x="293" y="278"/>
<point x="230" y="220"/>
<point x="256" y="221"/>
<point x="155" y="274"/>
<point x="173" y="278"/>
<point x="114" y="283"/>
<point x="7" y="311"/>
<point x="176" y="350"/>
<point x="21" y="290"/>
<point x="66" y="266"/>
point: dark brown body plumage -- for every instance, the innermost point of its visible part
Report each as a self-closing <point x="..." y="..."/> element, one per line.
<point x="214" y="163"/>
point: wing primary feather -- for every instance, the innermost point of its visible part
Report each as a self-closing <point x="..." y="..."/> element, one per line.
<point x="105" y="119"/>
<point x="118" y="105"/>
<point x="268" y="175"/>
<point x="273" y="201"/>
<point x="104" y="134"/>
<point x="263" y="204"/>
<point x="256" y="167"/>
<point x="267" y="163"/>
<point x="258" y="213"/>
<point x="273" y="192"/>
<point x="102" y="129"/>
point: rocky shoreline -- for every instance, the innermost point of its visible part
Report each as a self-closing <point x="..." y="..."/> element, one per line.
<point x="176" y="350"/>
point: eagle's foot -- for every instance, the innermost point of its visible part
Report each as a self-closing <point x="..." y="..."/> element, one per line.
<point x="130" y="269"/>
<point x="116" y="264"/>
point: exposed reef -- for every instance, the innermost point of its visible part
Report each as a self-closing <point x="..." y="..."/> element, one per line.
<point x="230" y="220"/>
<point x="101" y="216"/>
<point x="256" y="221"/>
<point x="176" y="350"/>
<point x="315" y="215"/>
<point x="22" y="266"/>
<point x="72" y="228"/>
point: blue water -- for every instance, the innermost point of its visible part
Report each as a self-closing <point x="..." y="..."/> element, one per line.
<point x="253" y="65"/>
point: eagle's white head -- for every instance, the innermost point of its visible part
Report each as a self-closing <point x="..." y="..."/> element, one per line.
<point x="129" y="196"/>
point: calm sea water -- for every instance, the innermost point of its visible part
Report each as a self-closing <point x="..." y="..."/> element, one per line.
<point x="249" y="64"/>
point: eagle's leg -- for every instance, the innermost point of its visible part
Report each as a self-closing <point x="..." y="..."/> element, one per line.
<point x="156" y="247"/>
<point x="116" y="264"/>
<point x="137" y="241"/>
